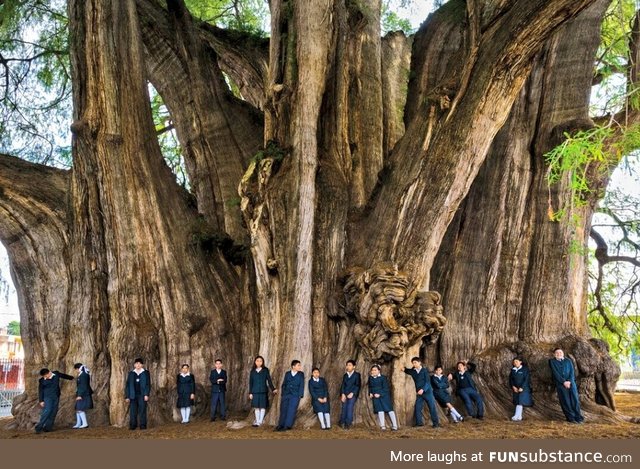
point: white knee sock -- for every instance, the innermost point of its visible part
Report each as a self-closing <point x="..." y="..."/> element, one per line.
<point x="327" y="420"/>
<point x="187" y="413"/>
<point x="262" y="412"/>
<point x="321" y="418"/>
<point x="394" y="421"/>
<point x="455" y="414"/>
<point x="381" y="419"/>
<point x="183" y="413"/>
<point x="257" y="414"/>
<point x="78" y="421"/>
<point x="519" y="409"/>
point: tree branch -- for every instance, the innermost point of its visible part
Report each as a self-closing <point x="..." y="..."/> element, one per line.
<point x="31" y="196"/>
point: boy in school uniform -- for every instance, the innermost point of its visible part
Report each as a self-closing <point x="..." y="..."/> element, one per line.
<point x="292" y="392"/>
<point x="137" y="391"/>
<point x="349" y="392"/>
<point x="424" y="392"/>
<point x="49" y="398"/>
<point x="563" y="375"/>
<point x="319" y="392"/>
<point x="218" y="379"/>
<point x="440" y="385"/>
<point x="467" y="390"/>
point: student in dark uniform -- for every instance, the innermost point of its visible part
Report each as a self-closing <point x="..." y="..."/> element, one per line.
<point x="292" y="392"/>
<point x="84" y="400"/>
<point x="380" y="395"/>
<point x="563" y="375"/>
<point x="349" y="392"/>
<point x="466" y="389"/>
<point x="259" y="386"/>
<point x="49" y="398"/>
<point x="319" y="392"/>
<point x="520" y="383"/>
<point x="137" y="391"/>
<point x="186" y="387"/>
<point x="424" y="392"/>
<point x="218" y="379"/>
<point x="440" y="385"/>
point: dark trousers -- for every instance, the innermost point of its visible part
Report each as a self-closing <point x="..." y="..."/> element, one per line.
<point x="469" y="396"/>
<point x="48" y="414"/>
<point x="288" y="408"/>
<point x="218" y="398"/>
<point x="570" y="402"/>
<point x="346" y="417"/>
<point x="138" y="412"/>
<point x="426" y="396"/>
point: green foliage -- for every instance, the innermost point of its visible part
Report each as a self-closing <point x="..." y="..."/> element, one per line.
<point x="35" y="104"/>
<point x="242" y="15"/>
<point x="272" y="150"/>
<point x="621" y="333"/>
<point x="13" y="328"/>
<point x="584" y="156"/>
<point x="390" y="20"/>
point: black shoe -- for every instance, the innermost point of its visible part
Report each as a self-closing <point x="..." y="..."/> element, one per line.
<point x="419" y="425"/>
<point x="286" y="429"/>
<point x="223" y="418"/>
<point x="435" y="425"/>
<point x="480" y="417"/>
<point x="279" y="428"/>
<point x="143" y="427"/>
<point x="213" y="419"/>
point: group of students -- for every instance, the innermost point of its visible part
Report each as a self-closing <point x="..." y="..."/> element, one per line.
<point x="430" y="388"/>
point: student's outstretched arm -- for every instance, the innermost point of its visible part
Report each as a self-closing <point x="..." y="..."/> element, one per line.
<point x="63" y="375"/>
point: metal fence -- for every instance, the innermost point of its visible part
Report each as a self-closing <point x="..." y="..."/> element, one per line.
<point x="11" y="383"/>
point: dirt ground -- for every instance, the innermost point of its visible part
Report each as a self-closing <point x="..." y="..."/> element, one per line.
<point x="628" y="404"/>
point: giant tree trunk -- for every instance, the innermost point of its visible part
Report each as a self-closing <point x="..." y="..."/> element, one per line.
<point x="349" y="214"/>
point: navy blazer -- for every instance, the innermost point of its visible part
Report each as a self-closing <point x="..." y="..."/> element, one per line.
<point x="50" y="388"/>
<point x="420" y="378"/>
<point x="562" y="370"/>
<point x="293" y="385"/>
<point x="214" y="377"/>
<point x="468" y="375"/>
<point x="351" y="384"/>
<point x="260" y="382"/>
<point x="83" y="388"/>
<point x="145" y="384"/>
<point x="318" y="390"/>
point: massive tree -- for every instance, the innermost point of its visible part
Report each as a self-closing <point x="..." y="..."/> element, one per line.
<point x="367" y="197"/>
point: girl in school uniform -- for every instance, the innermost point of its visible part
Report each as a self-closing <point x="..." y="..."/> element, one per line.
<point x="259" y="386"/>
<point x="520" y="382"/>
<point x="319" y="392"/>
<point x="380" y="395"/>
<point x="186" y="387"/>
<point x="84" y="401"/>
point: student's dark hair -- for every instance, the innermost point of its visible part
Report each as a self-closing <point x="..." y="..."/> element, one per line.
<point x="218" y="360"/>
<point x="184" y="364"/>
<point x="461" y="362"/>
<point x="353" y="362"/>
<point x="294" y="363"/>
<point x="254" y="361"/>
<point x="556" y="349"/>
<point x="436" y="367"/>
<point x="415" y="359"/>
<point x="376" y="366"/>
<point x="44" y="371"/>
<point x="315" y="368"/>
<point x="139" y="360"/>
<point x="77" y="366"/>
<point x="517" y="358"/>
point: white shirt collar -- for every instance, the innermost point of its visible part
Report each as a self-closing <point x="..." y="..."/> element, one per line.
<point x="138" y="372"/>
<point x="293" y="372"/>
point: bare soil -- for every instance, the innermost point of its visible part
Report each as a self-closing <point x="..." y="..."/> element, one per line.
<point x="490" y="428"/>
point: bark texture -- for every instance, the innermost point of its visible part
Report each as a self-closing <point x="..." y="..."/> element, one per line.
<point x="370" y="198"/>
